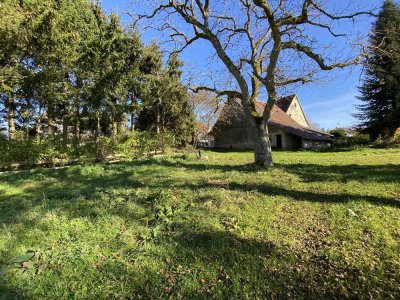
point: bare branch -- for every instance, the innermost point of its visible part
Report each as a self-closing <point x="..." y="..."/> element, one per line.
<point x="334" y="17"/>
<point x="230" y="94"/>
<point x="319" y="59"/>
<point x="302" y="80"/>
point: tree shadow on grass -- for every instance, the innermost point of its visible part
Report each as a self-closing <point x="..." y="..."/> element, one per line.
<point x="389" y="173"/>
<point x="309" y="172"/>
<point x="272" y="190"/>
<point x="235" y="266"/>
<point x="239" y="266"/>
<point x="205" y="263"/>
<point x="76" y="192"/>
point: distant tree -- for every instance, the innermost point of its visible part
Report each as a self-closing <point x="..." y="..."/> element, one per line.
<point x="380" y="92"/>
<point x="206" y="107"/>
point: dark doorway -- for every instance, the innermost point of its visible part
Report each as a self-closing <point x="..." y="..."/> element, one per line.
<point x="279" y="141"/>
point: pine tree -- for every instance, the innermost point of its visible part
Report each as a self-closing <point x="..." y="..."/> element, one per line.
<point x="165" y="99"/>
<point x="380" y="92"/>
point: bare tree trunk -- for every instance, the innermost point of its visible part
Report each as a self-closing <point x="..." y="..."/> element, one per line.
<point x="114" y="130"/>
<point x="39" y="125"/>
<point x="26" y="124"/>
<point x="262" y="146"/>
<point x="98" y="127"/>
<point x="65" y="131"/>
<point x="50" y="120"/>
<point x="158" y="116"/>
<point x="77" y="122"/>
<point x="121" y="126"/>
<point x="132" y="123"/>
<point x="11" y="116"/>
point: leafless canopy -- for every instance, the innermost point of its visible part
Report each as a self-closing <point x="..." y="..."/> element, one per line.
<point x="262" y="43"/>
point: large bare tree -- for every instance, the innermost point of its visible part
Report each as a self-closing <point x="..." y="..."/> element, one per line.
<point x="264" y="45"/>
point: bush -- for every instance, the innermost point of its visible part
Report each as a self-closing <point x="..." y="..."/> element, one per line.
<point x="338" y="133"/>
<point x="29" y="151"/>
<point x="139" y="144"/>
<point x="150" y="143"/>
<point x="360" y="139"/>
<point x="391" y="142"/>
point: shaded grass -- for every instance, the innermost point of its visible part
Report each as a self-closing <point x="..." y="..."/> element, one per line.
<point x="316" y="225"/>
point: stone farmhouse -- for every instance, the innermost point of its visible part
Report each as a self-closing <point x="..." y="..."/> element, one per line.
<point x="289" y="127"/>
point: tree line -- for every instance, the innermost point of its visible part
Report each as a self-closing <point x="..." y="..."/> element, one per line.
<point x="69" y="71"/>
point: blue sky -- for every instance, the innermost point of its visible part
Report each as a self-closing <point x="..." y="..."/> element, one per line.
<point x="329" y="104"/>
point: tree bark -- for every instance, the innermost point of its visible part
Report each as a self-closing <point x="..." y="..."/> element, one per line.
<point x="39" y="125"/>
<point x="26" y="125"/>
<point x="262" y="146"/>
<point x="50" y="120"/>
<point x="158" y="116"/>
<point x="132" y="123"/>
<point x="114" y="129"/>
<point x="65" y="131"/>
<point x="98" y="126"/>
<point x="11" y="116"/>
<point x="121" y="125"/>
<point x="77" y="122"/>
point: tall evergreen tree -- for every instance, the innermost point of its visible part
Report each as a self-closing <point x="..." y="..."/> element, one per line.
<point x="380" y="92"/>
<point x="165" y="99"/>
<point x="67" y="68"/>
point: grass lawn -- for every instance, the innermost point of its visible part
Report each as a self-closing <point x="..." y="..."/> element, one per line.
<point x="316" y="225"/>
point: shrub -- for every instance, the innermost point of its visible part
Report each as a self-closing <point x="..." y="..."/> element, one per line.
<point x="341" y="140"/>
<point x="29" y="151"/>
<point x="391" y="142"/>
<point x="106" y="146"/>
<point x="338" y="133"/>
<point x="128" y="144"/>
<point x="360" y="139"/>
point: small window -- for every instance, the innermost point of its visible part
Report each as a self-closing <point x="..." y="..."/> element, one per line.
<point x="295" y="105"/>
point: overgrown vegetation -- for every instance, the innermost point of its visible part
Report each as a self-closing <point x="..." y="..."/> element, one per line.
<point x="342" y="139"/>
<point x="40" y="151"/>
<point x="72" y="79"/>
<point x="320" y="225"/>
<point x="389" y="142"/>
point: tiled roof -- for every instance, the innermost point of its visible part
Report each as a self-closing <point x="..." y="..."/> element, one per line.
<point x="284" y="103"/>
<point x="280" y="119"/>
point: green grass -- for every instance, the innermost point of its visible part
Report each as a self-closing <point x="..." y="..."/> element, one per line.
<point x="317" y="225"/>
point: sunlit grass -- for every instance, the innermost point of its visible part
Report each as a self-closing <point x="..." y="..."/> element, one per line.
<point x="316" y="225"/>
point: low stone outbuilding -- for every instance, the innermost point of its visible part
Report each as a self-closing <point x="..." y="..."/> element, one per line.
<point x="289" y="127"/>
